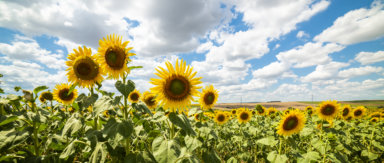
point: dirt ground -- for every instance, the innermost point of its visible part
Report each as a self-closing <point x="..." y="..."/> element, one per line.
<point x="277" y="105"/>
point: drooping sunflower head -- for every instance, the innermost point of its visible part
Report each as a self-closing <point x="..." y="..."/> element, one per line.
<point x="134" y="96"/>
<point x="113" y="55"/>
<point x="47" y="95"/>
<point x="346" y="110"/>
<point x="149" y="100"/>
<point x="208" y="97"/>
<point x="61" y="94"/>
<point x="42" y="99"/>
<point x="260" y="110"/>
<point x="271" y="111"/>
<point x="359" y="112"/>
<point x="291" y="123"/>
<point x="83" y="68"/>
<point x="221" y="118"/>
<point x="244" y="116"/>
<point x="328" y="110"/>
<point x="177" y="86"/>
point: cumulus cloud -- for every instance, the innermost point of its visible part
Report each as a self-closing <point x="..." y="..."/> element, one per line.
<point x="361" y="71"/>
<point x="370" y="57"/>
<point x="325" y="72"/>
<point x="356" y="26"/>
<point x="302" y="34"/>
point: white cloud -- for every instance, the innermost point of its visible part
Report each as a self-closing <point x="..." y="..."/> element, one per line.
<point x="27" y="49"/>
<point x="310" y="54"/>
<point x="361" y="71"/>
<point x="324" y="72"/>
<point x="370" y="57"/>
<point x="273" y="70"/>
<point x="291" y="92"/>
<point x="204" y="47"/>
<point x="302" y="34"/>
<point x="356" y="26"/>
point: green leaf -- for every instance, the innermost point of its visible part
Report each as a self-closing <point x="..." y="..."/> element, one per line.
<point x="211" y="156"/>
<point x="134" y="67"/>
<point x="142" y="108"/>
<point x="371" y="156"/>
<point x="72" y="126"/>
<point x="99" y="154"/>
<point x="113" y="127"/>
<point x="1" y="90"/>
<point x="125" y="89"/>
<point x="104" y="103"/>
<point x="275" y="157"/>
<point x="270" y="141"/>
<point x="17" y="88"/>
<point x="165" y="150"/>
<point x="68" y="151"/>
<point x="4" y="101"/>
<point x="9" y="120"/>
<point x="310" y="156"/>
<point x="192" y="143"/>
<point x="11" y="138"/>
<point x="13" y="97"/>
<point x="39" y="88"/>
<point x="87" y="100"/>
<point x="182" y="121"/>
<point x="378" y="145"/>
<point x="73" y="86"/>
<point x="232" y="160"/>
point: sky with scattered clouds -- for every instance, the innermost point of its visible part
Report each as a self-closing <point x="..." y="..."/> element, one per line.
<point x="250" y="50"/>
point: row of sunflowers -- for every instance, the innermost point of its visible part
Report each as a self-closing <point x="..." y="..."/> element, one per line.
<point x="160" y="125"/>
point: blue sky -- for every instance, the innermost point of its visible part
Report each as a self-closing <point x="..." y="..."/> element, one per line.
<point x="259" y="50"/>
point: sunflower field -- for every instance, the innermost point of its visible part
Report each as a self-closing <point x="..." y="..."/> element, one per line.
<point x="160" y="125"/>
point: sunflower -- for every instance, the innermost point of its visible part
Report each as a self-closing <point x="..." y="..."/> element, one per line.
<point x="375" y="114"/>
<point x="106" y="113"/>
<point x="47" y="95"/>
<point x="41" y="98"/>
<point x="149" y="100"/>
<point x="177" y="86"/>
<point x="233" y="111"/>
<point x="309" y="110"/>
<point x="359" y="112"/>
<point x="374" y="119"/>
<point x="83" y="68"/>
<point x="60" y="94"/>
<point x="286" y="111"/>
<point x="113" y="55"/>
<point x="291" y="123"/>
<point x="328" y="110"/>
<point x="244" y="116"/>
<point x="134" y="96"/>
<point x="208" y="97"/>
<point x="271" y="111"/>
<point x="220" y="118"/>
<point x="349" y="117"/>
<point x="346" y="111"/>
<point x="260" y="110"/>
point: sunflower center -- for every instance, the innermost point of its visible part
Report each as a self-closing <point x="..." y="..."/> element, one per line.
<point x="374" y="120"/>
<point x="48" y="96"/>
<point x="233" y="111"/>
<point x="209" y="98"/>
<point x="115" y="58"/>
<point x="358" y="113"/>
<point x="244" y="116"/>
<point x="221" y="118"/>
<point x="177" y="88"/>
<point x="290" y="123"/>
<point x="63" y="95"/>
<point x="349" y="118"/>
<point x="328" y="110"/>
<point x="197" y="116"/>
<point x="345" y="112"/>
<point x="150" y="101"/>
<point x="134" y="97"/>
<point x="86" y="69"/>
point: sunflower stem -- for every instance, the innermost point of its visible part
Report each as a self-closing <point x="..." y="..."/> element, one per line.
<point x="35" y="139"/>
<point x="325" y="150"/>
<point x="370" y="142"/>
<point x="280" y="145"/>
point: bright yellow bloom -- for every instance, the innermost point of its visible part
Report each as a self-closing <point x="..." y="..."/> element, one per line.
<point x="221" y="118"/>
<point x="359" y="112"/>
<point x="291" y="123"/>
<point x="149" y="99"/>
<point x="60" y="94"/>
<point x="260" y="110"/>
<point x="328" y="110"/>
<point x="208" y="97"/>
<point x="346" y="111"/>
<point x="176" y="87"/>
<point x="83" y="68"/>
<point x="271" y="111"/>
<point x="113" y="55"/>
<point x="244" y="116"/>
<point x="134" y="96"/>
